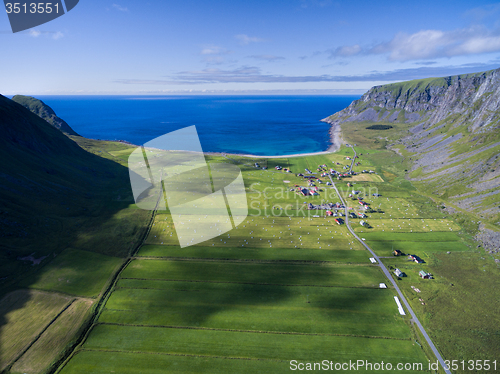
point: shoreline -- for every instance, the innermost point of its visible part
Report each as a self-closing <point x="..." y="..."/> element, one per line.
<point x="335" y="138"/>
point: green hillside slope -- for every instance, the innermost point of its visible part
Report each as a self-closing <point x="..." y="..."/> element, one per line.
<point x="449" y="131"/>
<point x="55" y="195"/>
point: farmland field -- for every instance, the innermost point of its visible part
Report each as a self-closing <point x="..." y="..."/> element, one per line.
<point x="260" y="315"/>
<point x="27" y="314"/>
<point x="76" y="272"/>
<point x="54" y="339"/>
<point x="268" y="232"/>
<point x="263" y="254"/>
<point x="287" y="283"/>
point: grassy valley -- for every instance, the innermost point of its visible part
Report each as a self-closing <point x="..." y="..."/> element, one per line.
<point x="92" y="284"/>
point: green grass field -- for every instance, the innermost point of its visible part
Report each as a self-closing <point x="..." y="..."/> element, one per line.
<point x="54" y="339"/>
<point x="268" y="232"/>
<point x="247" y="345"/>
<point x="26" y="313"/>
<point x="258" y="308"/>
<point x="127" y="362"/>
<point x="334" y="275"/>
<point x="283" y="285"/>
<point x="266" y="254"/>
<point x="76" y="272"/>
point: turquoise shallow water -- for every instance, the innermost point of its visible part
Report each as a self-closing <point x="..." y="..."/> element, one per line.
<point x="261" y="125"/>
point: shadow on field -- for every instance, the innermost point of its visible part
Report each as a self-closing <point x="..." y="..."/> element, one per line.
<point x="233" y="295"/>
<point x="56" y="195"/>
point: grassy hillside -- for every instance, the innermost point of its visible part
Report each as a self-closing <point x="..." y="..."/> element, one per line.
<point x="67" y="221"/>
<point x="57" y="195"/>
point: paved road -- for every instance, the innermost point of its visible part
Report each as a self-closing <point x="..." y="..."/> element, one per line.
<point x="389" y="276"/>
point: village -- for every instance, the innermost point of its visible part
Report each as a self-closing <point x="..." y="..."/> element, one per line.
<point x="311" y="184"/>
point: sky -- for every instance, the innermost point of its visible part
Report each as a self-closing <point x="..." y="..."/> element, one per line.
<point x="231" y="47"/>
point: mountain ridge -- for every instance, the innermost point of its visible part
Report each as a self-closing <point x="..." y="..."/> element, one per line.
<point x="448" y="127"/>
<point x="45" y="112"/>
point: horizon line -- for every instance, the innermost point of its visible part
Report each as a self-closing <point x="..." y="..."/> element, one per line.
<point x="311" y="92"/>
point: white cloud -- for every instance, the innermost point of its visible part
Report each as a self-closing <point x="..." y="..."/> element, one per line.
<point x="120" y="8"/>
<point x="213" y="54"/>
<point x="57" y="35"/>
<point x="478" y="45"/>
<point x="214" y="50"/>
<point x="428" y="44"/>
<point x="245" y="39"/>
<point x="252" y="74"/>
<point x="48" y="34"/>
<point x="347" y="50"/>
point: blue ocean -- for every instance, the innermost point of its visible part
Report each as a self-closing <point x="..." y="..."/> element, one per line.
<point x="260" y="125"/>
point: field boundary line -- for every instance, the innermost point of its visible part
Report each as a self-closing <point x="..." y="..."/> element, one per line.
<point x="181" y="355"/>
<point x="231" y="260"/>
<point x="242" y="305"/>
<point x="251" y="331"/>
<point x="251" y="283"/>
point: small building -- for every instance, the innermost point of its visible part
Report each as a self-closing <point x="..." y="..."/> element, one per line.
<point x="362" y="223"/>
<point x="329" y="213"/>
<point x="417" y="259"/>
<point x="382" y="285"/>
<point x="397" y="252"/>
<point x="424" y="275"/>
<point x="372" y="260"/>
<point x="399" y="273"/>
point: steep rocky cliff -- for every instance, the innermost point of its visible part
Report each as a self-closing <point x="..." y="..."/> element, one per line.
<point x="476" y="97"/>
<point x="449" y="127"/>
<point x="44" y="111"/>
